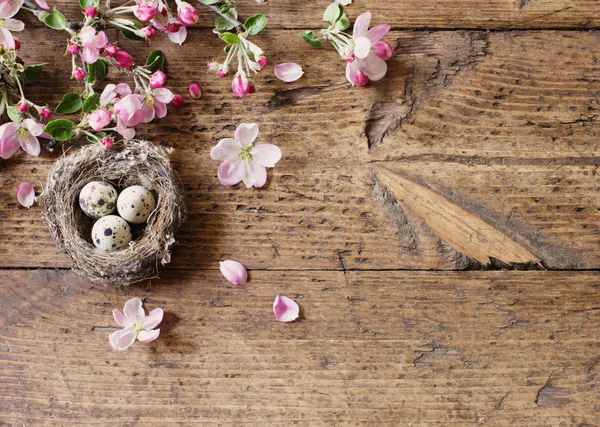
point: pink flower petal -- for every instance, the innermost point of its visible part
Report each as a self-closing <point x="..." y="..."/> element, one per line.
<point x="378" y="32"/>
<point x="6" y="38"/>
<point x="30" y="144"/>
<point x="362" y="47"/>
<point x="9" y="140"/>
<point x="344" y="2"/>
<point x="288" y="72"/>
<point x="133" y="309"/>
<point x="121" y="319"/>
<point x="361" y="25"/>
<point x="9" y="8"/>
<point x="226" y="149"/>
<point x="285" y="309"/>
<point x="122" y="339"/>
<point x="231" y="172"/>
<point x="26" y="194"/>
<point x="234" y="272"/>
<point x="246" y="133"/>
<point x="153" y="319"/>
<point x="14" y="25"/>
<point x="163" y="95"/>
<point x="256" y="175"/>
<point x="178" y="37"/>
<point x="266" y="154"/>
<point x="373" y="66"/>
<point x="42" y="4"/>
<point x="147" y="336"/>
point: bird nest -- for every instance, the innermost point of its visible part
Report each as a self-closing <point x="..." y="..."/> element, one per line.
<point x="131" y="163"/>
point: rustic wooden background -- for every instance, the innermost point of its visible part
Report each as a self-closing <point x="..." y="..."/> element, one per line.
<point x="393" y="219"/>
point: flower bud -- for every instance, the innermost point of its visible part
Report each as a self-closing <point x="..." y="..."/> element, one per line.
<point x="91" y="12"/>
<point x="23" y="107"/>
<point x="146" y="13"/>
<point x="263" y="61"/>
<point x="173" y="27"/>
<point x="350" y="57"/>
<point x="17" y="44"/>
<point x="111" y="50"/>
<point x="158" y="79"/>
<point x="107" y="142"/>
<point x="361" y="78"/>
<point x="73" y="48"/>
<point x="223" y="74"/>
<point x="150" y="32"/>
<point x="79" y="74"/>
<point x="384" y="50"/>
<point x="177" y="101"/>
<point x="241" y="85"/>
<point x="47" y="114"/>
<point x="124" y="59"/>
<point x="187" y="15"/>
<point x="195" y="90"/>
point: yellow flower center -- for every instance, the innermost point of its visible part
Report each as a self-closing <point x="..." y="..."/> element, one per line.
<point x="246" y="154"/>
<point x="23" y="132"/>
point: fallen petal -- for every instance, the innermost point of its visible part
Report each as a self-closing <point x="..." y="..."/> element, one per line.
<point x="26" y="194"/>
<point x="288" y="72"/>
<point x="122" y="339"/>
<point x="285" y="309"/>
<point x="234" y="272"/>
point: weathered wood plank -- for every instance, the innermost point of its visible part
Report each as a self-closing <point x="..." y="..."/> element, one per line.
<point x="507" y="120"/>
<point x="384" y="348"/>
<point x="415" y="14"/>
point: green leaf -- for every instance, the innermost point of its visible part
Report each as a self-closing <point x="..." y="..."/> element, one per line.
<point x="70" y="104"/>
<point x="229" y="38"/>
<point x="343" y="23"/>
<point x="89" y="3"/>
<point x="255" y="24"/>
<point x="222" y="24"/>
<point x="130" y="35"/>
<point x="224" y="8"/>
<point x="56" y="20"/>
<point x="33" y="72"/>
<point x="155" y="61"/>
<point x="312" y="39"/>
<point x="97" y="71"/>
<point x="333" y="12"/>
<point x="61" y="129"/>
<point x="90" y="104"/>
<point x="99" y="135"/>
<point x="13" y="113"/>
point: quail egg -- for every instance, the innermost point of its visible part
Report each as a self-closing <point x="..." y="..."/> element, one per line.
<point x="98" y="199"/>
<point x="111" y="233"/>
<point x="135" y="204"/>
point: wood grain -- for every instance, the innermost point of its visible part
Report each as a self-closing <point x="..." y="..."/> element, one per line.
<point x="372" y="348"/>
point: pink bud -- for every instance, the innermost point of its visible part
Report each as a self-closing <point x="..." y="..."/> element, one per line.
<point x="146" y="13"/>
<point x="241" y="85"/>
<point x="223" y="74"/>
<point x="107" y="142"/>
<point x="351" y="57"/>
<point x="124" y="59"/>
<point x="47" y="114"/>
<point x="263" y="61"/>
<point x="188" y="15"/>
<point x="111" y="50"/>
<point x="384" y="50"/>
<point x="91" y="12"/>
<point x="177" y="101"/>
<point x="150" y="32"/>
<point x="361" y="78"/>
<point x="79" y="74"/>
<point x="73" y="48"/>
<point x="173" y="27"/>
<point x="158" y="79"/>
<point x="23" y="107"/>
<point x="195" y="90"/>
<point x="164" y="11"/>
<point x="17" y="44"/>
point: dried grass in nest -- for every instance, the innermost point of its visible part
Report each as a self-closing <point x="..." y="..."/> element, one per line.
<point x="131" y="163"/>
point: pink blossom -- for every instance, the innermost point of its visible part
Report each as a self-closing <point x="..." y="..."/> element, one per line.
<point x="26" y="194"/>
<point x="234" y="272"/>
<point x="124" y="59"/>
<point x="79" y="74"/>
<point x="384" y="50"/>
<point x="177" y="101"/>
<point x="47" y="114"/>
<point x="288" y="72"/>
<point x="158" y="79"/>
<point x="242" y="159"/>
<point x="99" y="119"/>
<point x="92" y="43"/>
<point x="285" y="309"/>
<point x="107" y="142"/>
<point x="73" y="48"/>
<point x="263" y="61"/>
<point x="176" y="33"/>
<point x="240" y="85"/>
<point x="91" y="12"/>
<point x="111" y="50"/>
<point x="366" y="59"/>
<point x="23" y="107"/>
<point x="129" y="110"/>
<point x="136" y="325"/>
<point x="186" y="13"/>
<point x="145" y="13"/>
<point x="195" y="90"/>
<point x="112" y="93"/>
<point x="155" y="103"/>
<point x="8" y="8"/>
<point x="14" y="135"/>
<point x="150" y="32"/>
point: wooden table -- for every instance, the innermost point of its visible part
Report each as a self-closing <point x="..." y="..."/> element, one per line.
<point x="439" y="230"/>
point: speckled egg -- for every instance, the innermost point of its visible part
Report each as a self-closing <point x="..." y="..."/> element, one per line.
<point x="111" y="233"/>
<point x="98" y="199"/>
<point x="135" y="204"/>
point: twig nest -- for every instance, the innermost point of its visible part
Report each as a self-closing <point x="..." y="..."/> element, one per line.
<point x="135" y="163"/>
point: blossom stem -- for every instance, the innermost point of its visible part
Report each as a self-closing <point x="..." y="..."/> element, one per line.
<point x="236" y="24"/>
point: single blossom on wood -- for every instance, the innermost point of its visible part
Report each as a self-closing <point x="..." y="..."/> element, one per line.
<point x="136" y="325"/>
